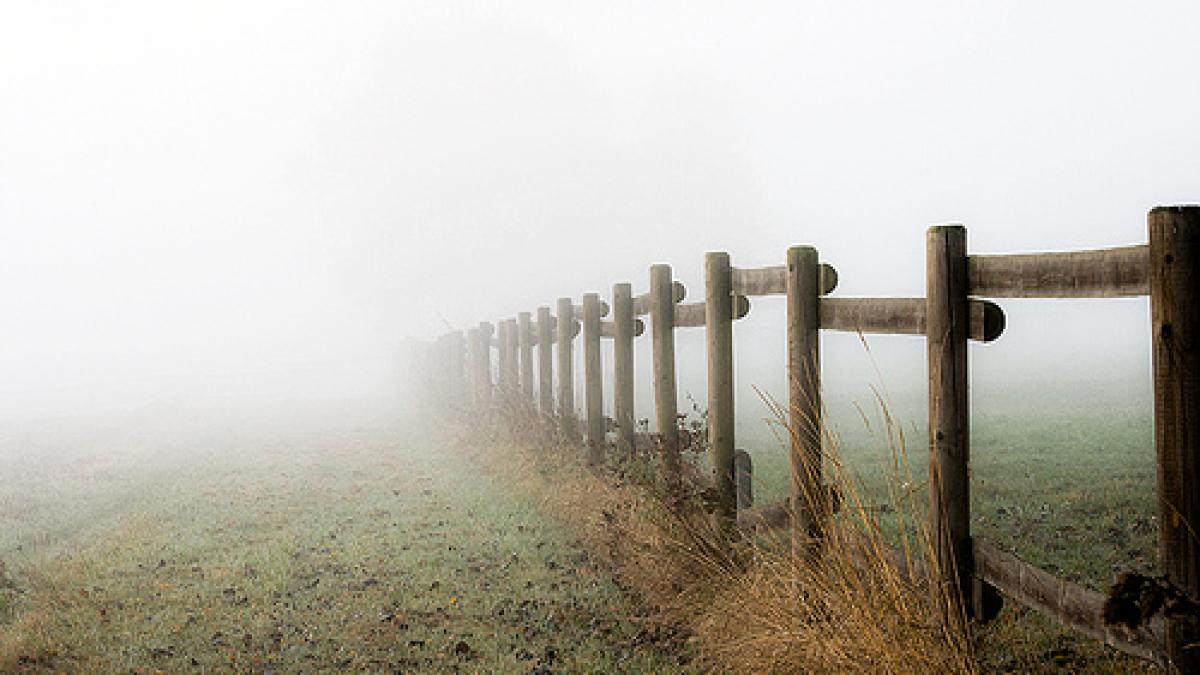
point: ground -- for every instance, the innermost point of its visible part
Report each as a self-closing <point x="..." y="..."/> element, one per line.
<point x="292" y="546"/>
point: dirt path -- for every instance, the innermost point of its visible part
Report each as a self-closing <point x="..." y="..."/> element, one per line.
<point x="315" y="550"/>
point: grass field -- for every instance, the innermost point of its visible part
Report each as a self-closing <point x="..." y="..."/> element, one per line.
<point x="290" y="544"/>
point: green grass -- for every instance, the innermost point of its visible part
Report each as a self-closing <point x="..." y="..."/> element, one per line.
<point x="363" y="547"/>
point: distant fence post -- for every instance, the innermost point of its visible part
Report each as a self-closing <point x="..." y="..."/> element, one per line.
<point x="566" y="381"/>
<point x="525" y="352"/>
<point x="593" y="388"/>
<point x="804" y="398"/>
<point x="1174" y="294"/>
<point x="743" y="467"/>
<point x="510" y="359"/>
<point x="947" y="327"/>
<point x="545" y="343"/>
<point x="502" y="359"/>
<point x="483" y="364"/>
<point x="623" y="367"/>
<point x="458" y="384"/>
<point x="666" y="406"/>
<point x="718" y="329"/>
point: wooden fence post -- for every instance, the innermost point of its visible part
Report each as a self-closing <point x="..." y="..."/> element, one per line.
<point x="502" y="359"/>
<point x="718" y="329"/>
<point x="947" y="325"/>
<point x="525" y="354"/>
<point x="483" y="364"/>
<point x="666" y="406"/>
<point x="743" y="467"/>
<point x="510" y="359"/>
<point x="458" y="384"/>
<point x="804" y="399"/>
<point x="1174" y="294"/>
<point x="566" y="381"/>
<point x="545" y="362"/>
<point x="593" y="388"/>
<point x="623" y="367"/>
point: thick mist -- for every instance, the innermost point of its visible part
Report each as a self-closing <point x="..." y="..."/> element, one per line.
<point x="229" y="204"/>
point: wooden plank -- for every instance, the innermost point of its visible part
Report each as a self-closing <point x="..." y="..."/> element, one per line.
<point x="458" y="371"/>
<point x="575" y="331"/>
<point x="1074" y="606"/>
<point x="692" y="315"/>
<point x="511" y="373"/>
<point x="1101" y="273"/>
<point x="566" y="380"/>
<point x="904" y="316"/>
<point x="666" y="405"/>
<point x="545" y="332"/>
<point x="483" y="364"/>
<point x="949" y="413"/>
<point x="641" y="304"/>
<point x="608" y="329"/>
<point x="1174" y="262"/>
<point x="593" y="392"/>
<point x="624" y="329"/>
<point x="773" y="280"/>
<point x="719" y="303"/>
<point x="804" y="400"/>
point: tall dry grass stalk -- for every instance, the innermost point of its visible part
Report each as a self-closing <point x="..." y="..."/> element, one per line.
<point x="751" y="605"/>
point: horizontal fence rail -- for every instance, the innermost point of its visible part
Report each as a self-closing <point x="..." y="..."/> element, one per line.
<point x="956" y="309"/>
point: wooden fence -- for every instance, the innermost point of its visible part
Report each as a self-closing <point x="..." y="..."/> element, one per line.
<point x="953" y="312"/>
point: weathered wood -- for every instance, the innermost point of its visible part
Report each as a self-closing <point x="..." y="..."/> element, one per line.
<point x="511" y="374"/>
<point x="718" y="304"/>
<point x="458" y="373"/>
<point x="662" y="329"/>
<point x="1103" y="273"/>
<point x="804" y="398"/>
<point x="625" y="327"/>
<point x="525" y="355"/>
<point x="947" y="318"/>
<point x="904" y="316"/>
<point x="593" y="378"/>
<point x="773" y="280"/>
<point x="1174" y="262"/>
<point x="743" y="468"/>
<point x="693" y="315"/>
<point x="576" y="328"/>
<point x="502" y="369"/>
<point x="545" y="329"/>
<point x="770" y="517"/>
<point x="566" y="380"/>
<point x="483" y="364"/>
<point x="641" y="304"/>
<point x="608" y="329"/>
<point x="1072" y="605"/>
<point x="604" y="309"/>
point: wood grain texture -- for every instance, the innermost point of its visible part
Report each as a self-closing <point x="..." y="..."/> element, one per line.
<point x="773" y="280"/>
<point x="904" y="316"/>
<point x="1101" y="273"/>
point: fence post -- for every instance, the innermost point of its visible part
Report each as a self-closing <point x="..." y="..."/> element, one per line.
<point x="525" y="352"/>
<point x="502" y="359"/>
<point x="804" y="399"/>
<point x="458" y="385"/>
<point x="743" y="467"/>
<point x="1174" y="292"/>
<point x="593" y="388"/>
<point x="510" y="359"/>
<point x="718" y="330"/>
<point x="623" y="367"/>
<point x="947" y="324"/>
<point x="666" y="406"/>
<point x="545" y="363"/>
<point x="483" y="364"/>
<point x="566" y="382"/>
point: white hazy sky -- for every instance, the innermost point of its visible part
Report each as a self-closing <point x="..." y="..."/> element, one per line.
<point x="230" y="198"/>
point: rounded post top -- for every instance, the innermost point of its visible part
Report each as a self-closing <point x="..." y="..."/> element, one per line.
<point x="1177" y="208"/>
<point x="714" y="256"/>
<point x="946" y="229"/>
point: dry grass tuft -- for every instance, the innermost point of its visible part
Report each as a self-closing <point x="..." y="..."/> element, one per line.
<point x="750" y="606"/>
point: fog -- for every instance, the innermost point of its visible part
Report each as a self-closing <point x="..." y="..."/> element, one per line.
<point x="238" y="203"/>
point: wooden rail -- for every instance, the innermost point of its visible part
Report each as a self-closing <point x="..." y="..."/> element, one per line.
<point x="954" y="311"/>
